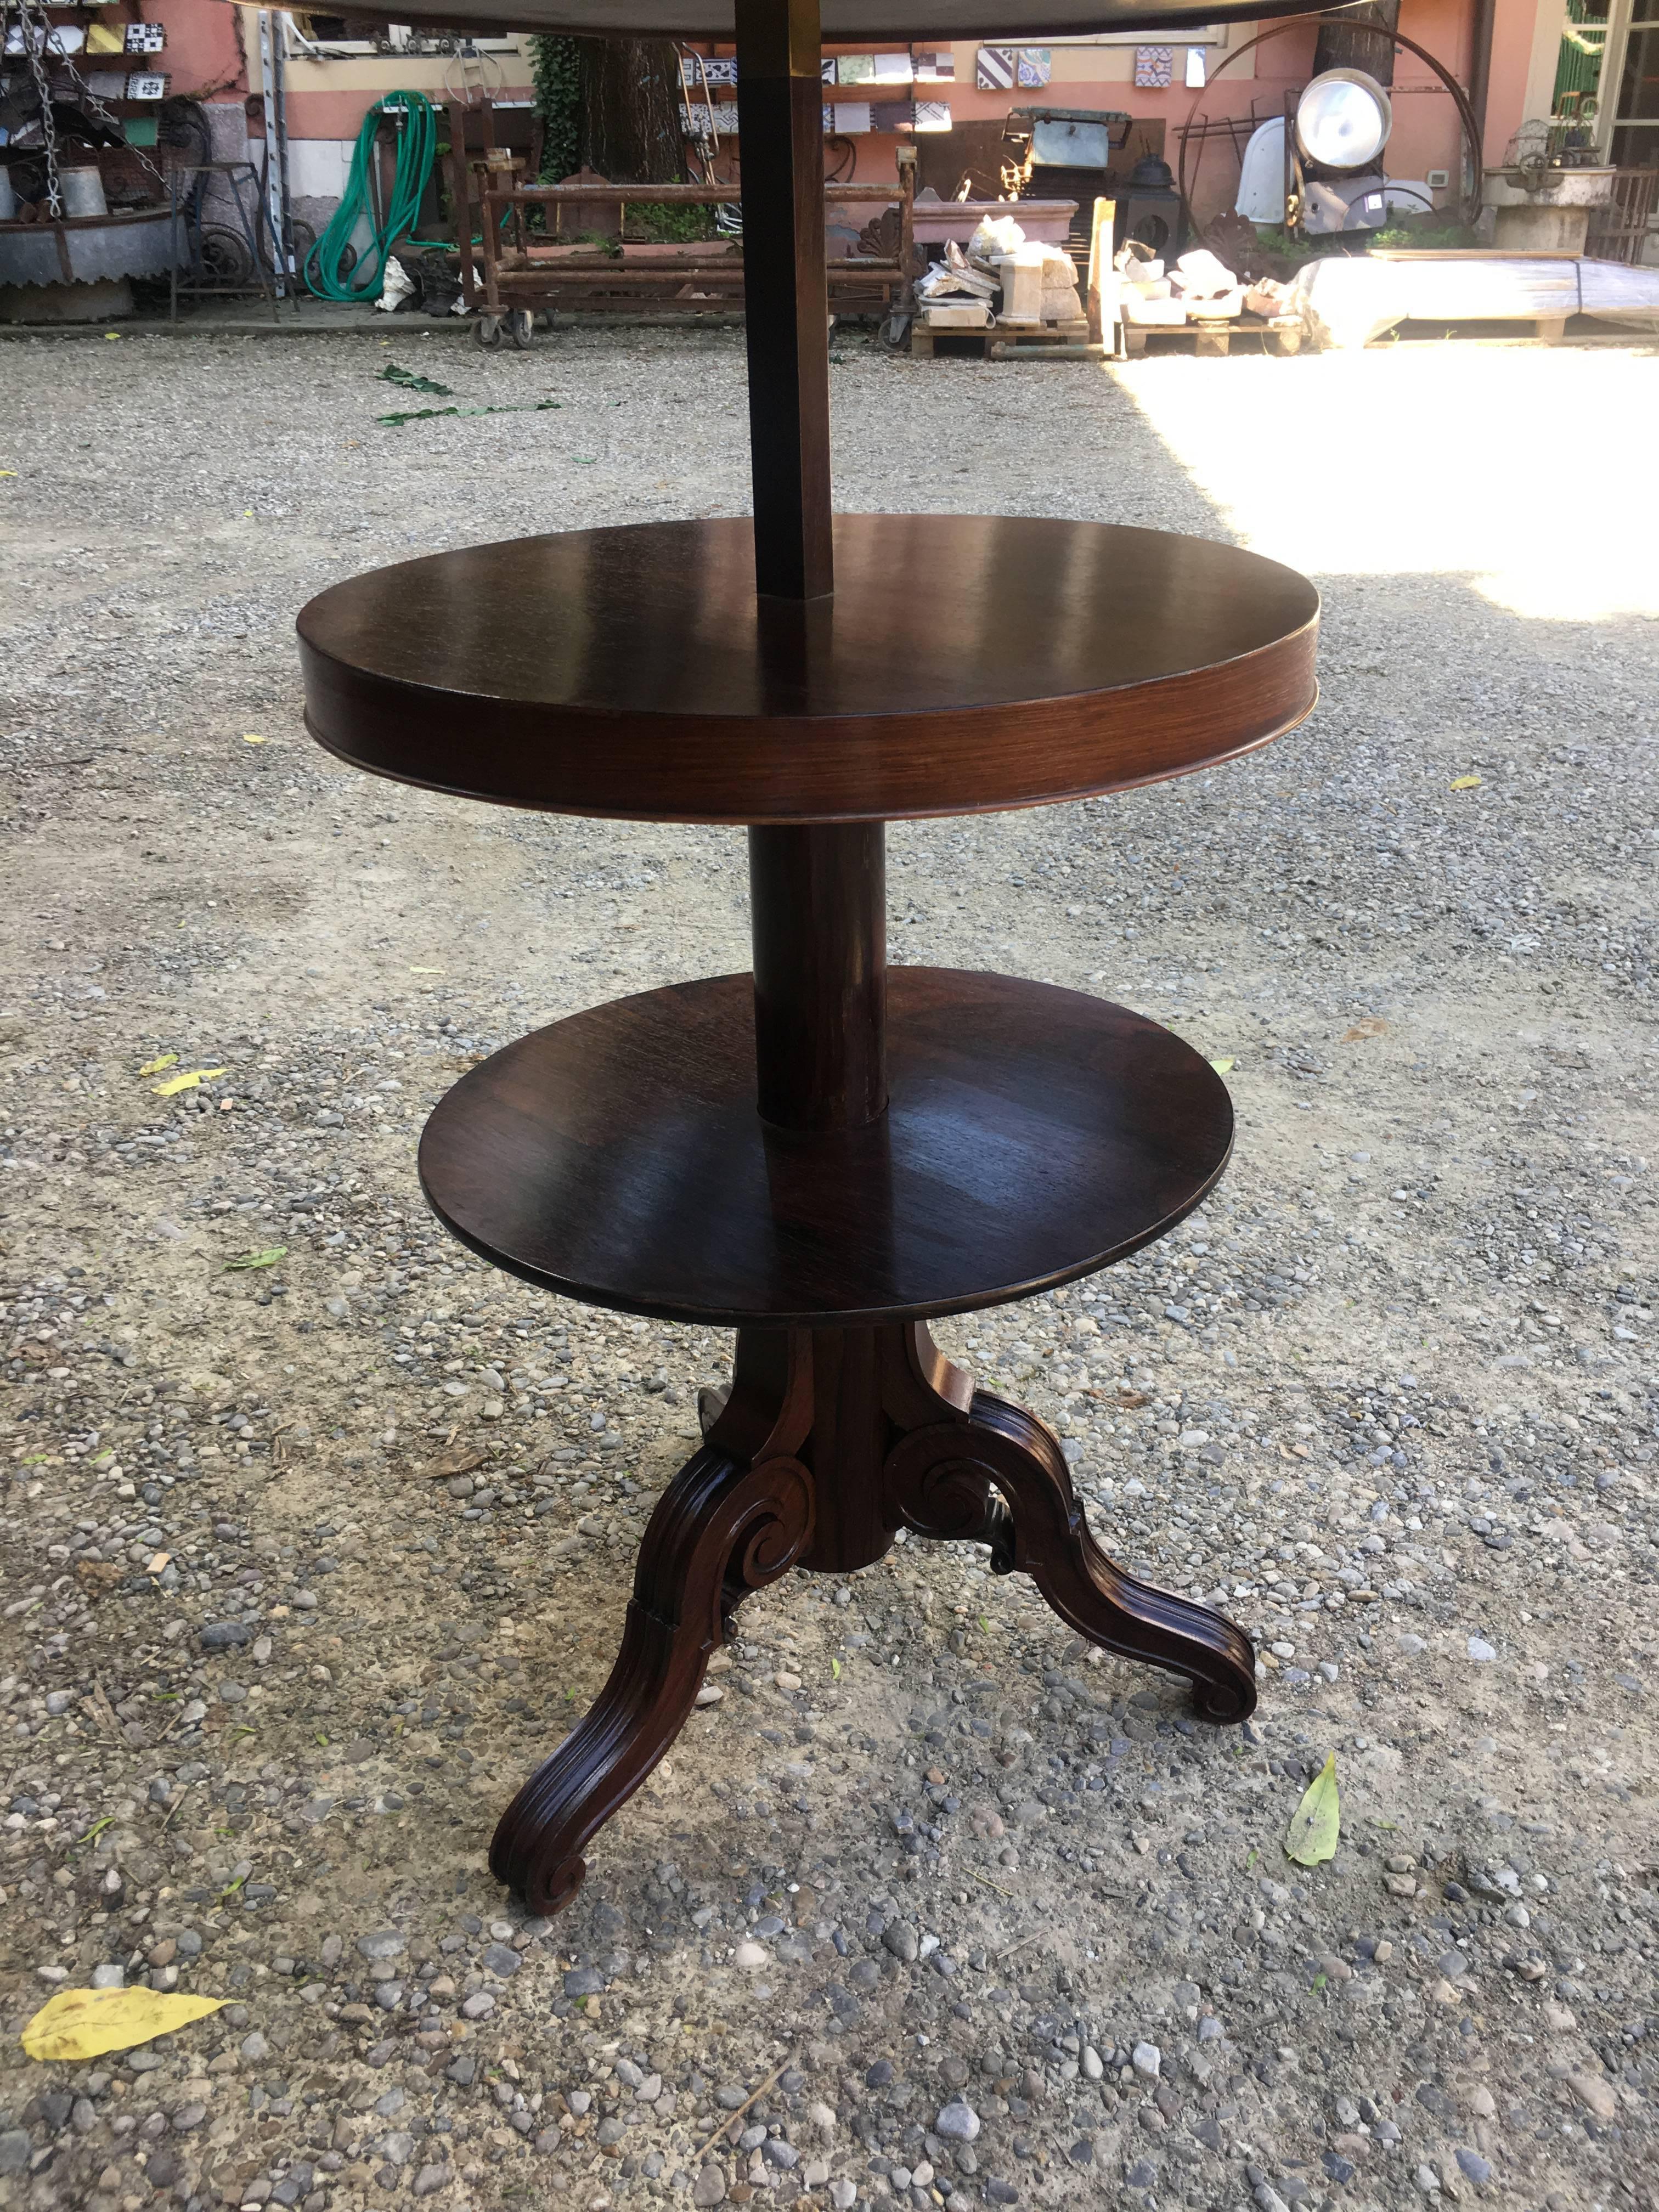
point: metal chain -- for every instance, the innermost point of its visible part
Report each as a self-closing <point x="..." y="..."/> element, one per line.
<point x="35" y="41"/>
<point x="90" y="101"/>
<point x="34" y="36"/>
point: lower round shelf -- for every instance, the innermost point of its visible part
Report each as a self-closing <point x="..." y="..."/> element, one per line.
<point x="1034" y="1134"/>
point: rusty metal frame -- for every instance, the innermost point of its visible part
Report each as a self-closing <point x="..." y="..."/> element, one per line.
<point x="1471" y="198"/>
<point x="512" y="279"/>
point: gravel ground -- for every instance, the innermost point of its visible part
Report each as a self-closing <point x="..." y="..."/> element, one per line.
<point x="307" y="1562"/>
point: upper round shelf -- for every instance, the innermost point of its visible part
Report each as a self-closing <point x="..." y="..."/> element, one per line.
<point x="964" y="663"/>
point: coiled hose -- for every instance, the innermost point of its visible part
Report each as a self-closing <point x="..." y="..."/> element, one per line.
<point x="328" y="271"/>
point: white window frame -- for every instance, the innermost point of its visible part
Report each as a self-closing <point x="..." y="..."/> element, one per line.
<point x="297" y="48"/>
<point x="1623" y="17"/>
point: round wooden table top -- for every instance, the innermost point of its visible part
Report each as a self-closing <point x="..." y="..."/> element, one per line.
<point x="1033" y="1135"/>
<point x="964" y="663"/>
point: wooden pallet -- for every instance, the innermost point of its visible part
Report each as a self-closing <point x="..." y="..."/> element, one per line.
<point x="1005" y="341"/>
<point x="1212" y="337"/>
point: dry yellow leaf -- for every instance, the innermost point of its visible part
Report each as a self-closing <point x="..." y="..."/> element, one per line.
<point x="82" y="2023"/>
<point x="1466" y="782"/>
<point x="251" y="740"/>
<point x="191" y="1078"/>
<point x="155" y="1066"/>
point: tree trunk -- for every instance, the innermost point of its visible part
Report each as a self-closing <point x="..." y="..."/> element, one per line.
<point x="1349" y="45"/>
<point x="630" y="109"/>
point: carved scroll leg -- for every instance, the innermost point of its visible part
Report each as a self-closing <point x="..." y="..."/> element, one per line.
<point x="1000" y="1478"/>
<point x="720" y="1530"/>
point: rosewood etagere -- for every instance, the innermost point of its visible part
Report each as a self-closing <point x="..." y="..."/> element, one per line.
<point x="825" y="1154"/>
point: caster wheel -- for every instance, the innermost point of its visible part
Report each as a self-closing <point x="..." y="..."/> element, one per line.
<point x="487" y="332"/>
<point x="521" y="328"/>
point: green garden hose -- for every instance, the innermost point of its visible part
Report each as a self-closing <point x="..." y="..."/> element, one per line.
<point x="417" y="148"/>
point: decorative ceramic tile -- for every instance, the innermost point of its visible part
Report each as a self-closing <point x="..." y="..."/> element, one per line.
<point x="698" y="119"/>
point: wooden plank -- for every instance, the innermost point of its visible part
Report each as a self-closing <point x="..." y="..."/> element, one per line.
<point x="1462" y="291"/>
<point x="1079" y="350"/>
<point x="1102" y="275"/>
<point x="685" y="195"/>
<point x="1038" y="333"/>
<point x="1613" y="287"/>
<point x="1469" y="253"/>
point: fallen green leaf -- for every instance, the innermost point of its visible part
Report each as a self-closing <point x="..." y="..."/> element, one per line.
<point x="96" y="1829"/>
<point x="268" y="1258"/>
<point x="834" y="1669"/>
<point x="1224" y="1066"/>
<point x="430" y="414"/>
<point x="410" y="382"/>
<point x="155" y="1066"/>
<point x="1316" y="1824"/>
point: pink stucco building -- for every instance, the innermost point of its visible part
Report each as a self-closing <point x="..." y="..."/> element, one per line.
<point x="1505" y="52"/>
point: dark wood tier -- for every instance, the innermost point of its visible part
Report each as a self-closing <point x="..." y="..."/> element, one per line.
<point x="1034" y="1134"/>
<point x="964" y="663"/>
